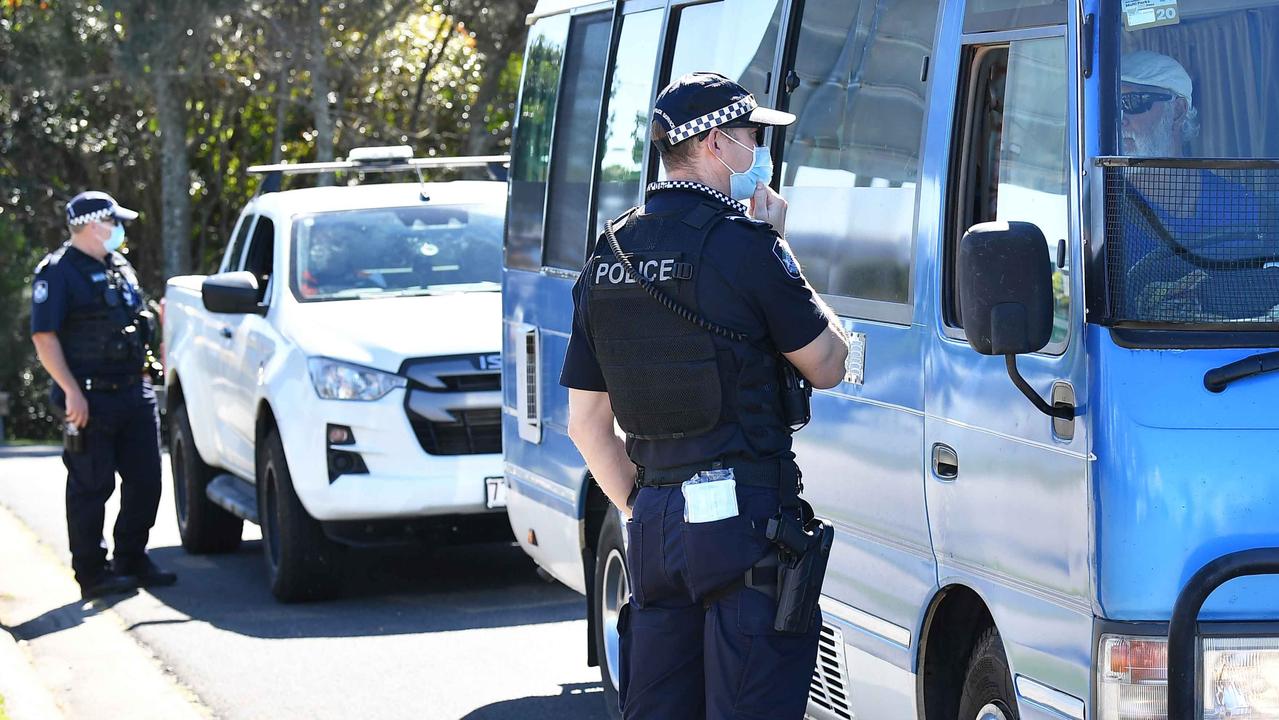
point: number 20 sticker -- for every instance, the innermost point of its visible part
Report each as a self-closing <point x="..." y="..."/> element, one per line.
<point x="1142" y="14"/>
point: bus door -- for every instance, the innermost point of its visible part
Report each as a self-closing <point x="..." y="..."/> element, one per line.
<point x="850" y="172"/>
<point x="1008" y="492"/>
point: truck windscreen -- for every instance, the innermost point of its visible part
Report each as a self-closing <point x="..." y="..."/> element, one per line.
<point x="396" y="251"/>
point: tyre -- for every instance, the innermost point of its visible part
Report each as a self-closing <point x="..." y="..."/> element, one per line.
<point x="204" y="527"/>
<point x="612" y="590"/>
<point x="301" y="561"/>
<point x="988" y="685"/>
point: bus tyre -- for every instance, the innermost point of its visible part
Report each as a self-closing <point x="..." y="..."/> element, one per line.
<point x="988" y="686"/>
<point x="301" y="561"/>
<point x="612" y="590"/>
<point x="203" y="526"/>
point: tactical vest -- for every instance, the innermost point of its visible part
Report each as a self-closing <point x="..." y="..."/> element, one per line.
<point x="110" y="337"/>
<point x="667" y="377"/>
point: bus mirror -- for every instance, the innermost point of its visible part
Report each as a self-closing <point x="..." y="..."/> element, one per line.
<point x="1005" y="288"/>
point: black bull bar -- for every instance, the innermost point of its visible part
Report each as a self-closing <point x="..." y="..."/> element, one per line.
<point x="1183" y="681"/>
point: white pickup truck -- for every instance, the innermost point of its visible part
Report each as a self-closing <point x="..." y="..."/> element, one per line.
<point x="337" y="381"/>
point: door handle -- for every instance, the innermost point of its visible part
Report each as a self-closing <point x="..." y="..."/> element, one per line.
<point x="945" y="462"/>
<point x="225" y="332"/>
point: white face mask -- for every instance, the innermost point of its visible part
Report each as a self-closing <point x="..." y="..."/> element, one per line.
<point x="116" y="239"/>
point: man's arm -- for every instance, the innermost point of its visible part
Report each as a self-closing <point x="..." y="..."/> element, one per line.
<point x="822" y="360"/>
<point x="590" y="427"/>
<point x="49" y="350"/>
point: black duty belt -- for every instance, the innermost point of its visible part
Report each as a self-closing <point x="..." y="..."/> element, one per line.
<point x="756" y="473"/>
<point x="110" y="383"/>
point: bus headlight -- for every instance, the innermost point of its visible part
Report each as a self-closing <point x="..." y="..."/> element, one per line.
<point x="1240" y="676"/>
<point x="336" y="380"/>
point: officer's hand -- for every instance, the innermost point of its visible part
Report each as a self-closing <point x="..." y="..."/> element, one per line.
<point x="77" y="408"/>
<point x="770" y="207"/>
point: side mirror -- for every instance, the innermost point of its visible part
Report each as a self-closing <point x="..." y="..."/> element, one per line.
<point x="1006" y="297"/>
<point x="233" y="293"/>
<point x="1005" y="288"/>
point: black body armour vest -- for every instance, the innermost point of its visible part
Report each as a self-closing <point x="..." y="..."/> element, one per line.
<point x="668" y="378"/>
<point x="110" y="338"/>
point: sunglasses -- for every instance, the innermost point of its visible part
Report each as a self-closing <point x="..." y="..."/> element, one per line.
<point x="757" y="131"/>
<point x="1136" y="103"/>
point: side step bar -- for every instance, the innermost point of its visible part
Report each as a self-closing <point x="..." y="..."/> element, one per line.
<point x="234" y="495"/>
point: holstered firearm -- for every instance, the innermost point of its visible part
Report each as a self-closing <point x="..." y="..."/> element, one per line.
<point x="803" y="550"/>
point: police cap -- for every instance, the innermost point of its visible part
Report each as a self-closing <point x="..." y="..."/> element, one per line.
<point x="95" y="205"/>
<point x="699" y="101"/>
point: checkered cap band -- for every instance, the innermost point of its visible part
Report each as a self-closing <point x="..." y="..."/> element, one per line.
<point x="710" y="120"/>
<point x="90" y="217"/>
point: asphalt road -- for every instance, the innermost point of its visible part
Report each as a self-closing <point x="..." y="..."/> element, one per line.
<point x="467" y="632"/>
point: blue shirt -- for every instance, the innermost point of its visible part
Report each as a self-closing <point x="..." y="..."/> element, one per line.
<point x="748" y="281"/>
<point x="60" y="289"/>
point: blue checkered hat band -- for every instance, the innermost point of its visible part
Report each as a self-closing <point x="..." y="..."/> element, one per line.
<point x="89" y="217"/>
<point x="710" y="120"/>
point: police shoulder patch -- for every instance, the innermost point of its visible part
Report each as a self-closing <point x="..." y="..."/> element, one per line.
<point x="782" y="251"/>
<point x="39" y="292"/>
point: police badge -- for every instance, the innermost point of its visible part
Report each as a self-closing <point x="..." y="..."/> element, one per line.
<point x="782" y="251"/>
<point x="40" y="292"/>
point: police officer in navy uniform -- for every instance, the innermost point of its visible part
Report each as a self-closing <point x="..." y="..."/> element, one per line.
<point x="91" y="332"/>
<point x="692" y="374"/>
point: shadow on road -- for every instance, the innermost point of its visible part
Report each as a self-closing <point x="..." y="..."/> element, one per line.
<point x="385" y="593"/>
<point x="68" y="616"/>
<point x="575" y="700"/>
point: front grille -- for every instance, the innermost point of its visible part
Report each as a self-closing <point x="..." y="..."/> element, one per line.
<point x="472" y="432"/>
<point x="829" y="688"/>
<point x="466" y="383"/>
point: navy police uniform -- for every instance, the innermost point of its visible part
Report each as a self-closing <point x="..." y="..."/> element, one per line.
<point x="696" y="643"/>
<point x="96" y="309"/>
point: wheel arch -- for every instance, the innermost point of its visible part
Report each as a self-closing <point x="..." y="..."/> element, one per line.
<point x="955" y="619"/>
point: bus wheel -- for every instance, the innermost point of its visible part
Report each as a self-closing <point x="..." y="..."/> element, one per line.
<point x="612" y="590"/>
<point x="988" y="686"/>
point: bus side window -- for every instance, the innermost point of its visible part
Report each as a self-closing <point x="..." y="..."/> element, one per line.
<point x="851" y="162"/>
<point x="626" y="119"/>
<point x="737" y="38"/>
<point x="530" y="154"/>
<point x="573" y="151"/>
<point x="1015" y="165"/>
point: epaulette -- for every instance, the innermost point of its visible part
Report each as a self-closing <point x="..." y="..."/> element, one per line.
<point x="51" y="259"/>
<point x="756" y="225"/>
<point x="618" y="222"/>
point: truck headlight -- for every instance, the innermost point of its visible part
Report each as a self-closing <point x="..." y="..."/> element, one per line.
<point x="1240" y="678"/>
<point x="337" y="380"/>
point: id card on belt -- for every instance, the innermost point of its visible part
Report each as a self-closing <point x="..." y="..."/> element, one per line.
<point x="710" y="495"/>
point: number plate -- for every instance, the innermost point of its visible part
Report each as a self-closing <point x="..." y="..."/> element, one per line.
<point x="495" y="491"/>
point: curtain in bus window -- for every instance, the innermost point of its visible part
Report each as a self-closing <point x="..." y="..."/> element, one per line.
<point x="626" y="123"/>
<point x="531" y="149"/>
<point x="573" y="154"/>
<point x="1233" y="62"/>
<point x="851" y="161"/>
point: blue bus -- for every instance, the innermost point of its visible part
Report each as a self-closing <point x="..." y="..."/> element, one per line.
<point x="1081" y="528"/>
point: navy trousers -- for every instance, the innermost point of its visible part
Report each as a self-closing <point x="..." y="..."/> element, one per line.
<point x="123" y="436"/>
<point x="683" y="660"/>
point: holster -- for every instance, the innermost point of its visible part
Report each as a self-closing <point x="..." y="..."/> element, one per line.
<point x="803" y="551"/>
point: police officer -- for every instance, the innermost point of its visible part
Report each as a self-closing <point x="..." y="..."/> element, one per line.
<point x="90" y="329"/>
<point x="693" y="374"/>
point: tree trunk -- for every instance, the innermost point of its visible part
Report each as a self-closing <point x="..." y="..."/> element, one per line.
<point x="175" y="171"/>
<point x="502" y="43"/>
<point x="321" y="89"/>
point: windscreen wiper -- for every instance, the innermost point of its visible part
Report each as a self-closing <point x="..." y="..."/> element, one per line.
<point x="1217" y="379"/>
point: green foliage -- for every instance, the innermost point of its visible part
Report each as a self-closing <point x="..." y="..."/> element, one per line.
<point x="78" y="110"/>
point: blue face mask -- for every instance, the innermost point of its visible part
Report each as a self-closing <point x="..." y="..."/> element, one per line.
<point x="741" y="185"/>
<point x="114" y="242"/>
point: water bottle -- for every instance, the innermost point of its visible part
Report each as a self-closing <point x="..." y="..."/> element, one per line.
<point x="72" y="438"/>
